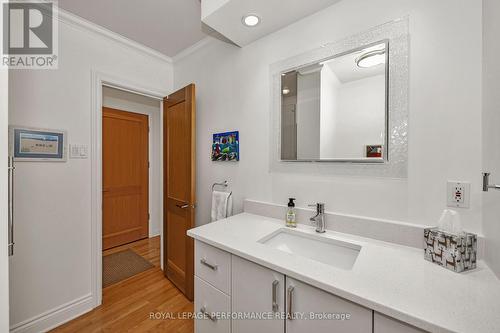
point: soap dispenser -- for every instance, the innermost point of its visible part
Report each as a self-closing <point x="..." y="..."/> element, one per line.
<point x="290" y="214"/>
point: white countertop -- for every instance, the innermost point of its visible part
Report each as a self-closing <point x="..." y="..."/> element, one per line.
<point x="391" y="279"/>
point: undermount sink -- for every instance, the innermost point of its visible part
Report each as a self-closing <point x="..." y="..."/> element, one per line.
<point x="325" y="250"/>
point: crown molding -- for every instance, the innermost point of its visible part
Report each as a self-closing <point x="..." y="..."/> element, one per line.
<point x="193" y="48"/>
<point x="79" y="22"/>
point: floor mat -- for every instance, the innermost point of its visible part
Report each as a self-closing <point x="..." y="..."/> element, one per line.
<point x="122" y="265"/>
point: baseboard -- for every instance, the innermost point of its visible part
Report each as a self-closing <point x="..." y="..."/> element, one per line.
<point x="154" y="233"/>
<point x="55" y="317"/>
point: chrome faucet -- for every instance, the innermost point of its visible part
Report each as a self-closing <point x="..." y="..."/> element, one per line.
<point x="319" y="218"/>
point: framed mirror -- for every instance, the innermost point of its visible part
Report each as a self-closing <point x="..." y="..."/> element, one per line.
<point x="337" y="109"/>
<point x="365" y="135"/>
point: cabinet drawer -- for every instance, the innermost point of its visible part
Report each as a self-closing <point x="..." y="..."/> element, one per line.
<point x="384" y="324"/>
<point x="210" y="300"/>
<point x="213" y="266"/>
<point x="303" y="299"/>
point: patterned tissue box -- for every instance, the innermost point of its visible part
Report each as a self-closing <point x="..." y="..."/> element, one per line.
<point x="452" y="251"/>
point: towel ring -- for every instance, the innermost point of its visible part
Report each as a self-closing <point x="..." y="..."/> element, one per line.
<point x="223" y="184"/>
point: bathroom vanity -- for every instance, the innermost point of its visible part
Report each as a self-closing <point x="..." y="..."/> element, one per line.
<point x="340" y="109"/>
<point x="297" y="280"/>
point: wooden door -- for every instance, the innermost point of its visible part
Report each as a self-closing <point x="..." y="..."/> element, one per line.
<point x="257" y="289"/>
<point x="125" y="177"/>
<point x="179" y="188"/>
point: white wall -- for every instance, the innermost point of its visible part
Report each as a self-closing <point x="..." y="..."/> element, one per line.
<point x="233" y="87"/>
<point x="52" y="265"/>
<point x="491" y="133"/>
<point x="121" y="100"/>
<point x="4" y="260"/>
<point x="308" y="115"/>
<point x="360" y="117"/>
<point x="328" y="109"/>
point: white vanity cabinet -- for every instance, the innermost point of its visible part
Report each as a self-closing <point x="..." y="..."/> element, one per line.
<point x="384" y="324"/>
<point x="257" y="290"/>
<point x="212" y="288"/>
<point x="228" y="284"/>
<point x="304" y="301"/>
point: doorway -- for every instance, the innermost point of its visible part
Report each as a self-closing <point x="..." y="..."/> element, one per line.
<point x="183" y="103"/>
<point x="131" y="198"/>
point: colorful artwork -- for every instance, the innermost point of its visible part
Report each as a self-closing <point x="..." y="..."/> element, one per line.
<point x="226" y="146"/>
<point x="374" y="151"/>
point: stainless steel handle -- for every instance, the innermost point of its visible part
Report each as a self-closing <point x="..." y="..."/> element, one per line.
<point x="183" y="206"/>
<point x="204" y="262"/>
<point x="275" y="296"/>
<point x="207" y="314"/>
<point x="486" y="183"/>
<point x="11" y="169"/>
<point x="289" y="297"/>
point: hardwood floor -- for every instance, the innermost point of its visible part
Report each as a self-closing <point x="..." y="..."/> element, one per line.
<point x="132" y="304"/>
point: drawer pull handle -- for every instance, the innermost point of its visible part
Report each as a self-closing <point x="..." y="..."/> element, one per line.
<point x="204" y="311"/>
<point x="212" y="267"/>
<point x="275" y="295"/>
<point x="289" y="297"/>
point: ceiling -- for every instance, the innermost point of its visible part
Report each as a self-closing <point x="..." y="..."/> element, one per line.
<point x="225" y="16"/>
<point x="168" y="26"/>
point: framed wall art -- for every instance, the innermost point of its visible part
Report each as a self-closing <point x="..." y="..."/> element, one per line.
<point x="374" y="151"/>
<point x="226" y="146"/>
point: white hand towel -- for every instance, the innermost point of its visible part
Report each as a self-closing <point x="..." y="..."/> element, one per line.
<point x="222" y="205"/>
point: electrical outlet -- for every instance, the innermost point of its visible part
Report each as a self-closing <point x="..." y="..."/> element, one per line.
<point x="458" y="194"/>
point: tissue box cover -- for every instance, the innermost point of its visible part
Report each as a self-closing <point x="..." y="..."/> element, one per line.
<point x="452" y="251"/>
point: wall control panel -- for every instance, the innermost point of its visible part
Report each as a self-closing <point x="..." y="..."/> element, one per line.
<point x="78" y="151"/>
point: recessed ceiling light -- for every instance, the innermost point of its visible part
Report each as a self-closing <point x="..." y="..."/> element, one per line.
<point x="250" y="20"/>
<point x="286" y="91"/>
<point x="370" y="59"/>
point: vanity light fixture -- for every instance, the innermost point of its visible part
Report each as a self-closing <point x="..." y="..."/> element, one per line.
<point x="371" y="58"/>
<point x="250" y="20"/>
<point x="286" y="91"/>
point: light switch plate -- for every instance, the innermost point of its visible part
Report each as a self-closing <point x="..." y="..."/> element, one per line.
<point x="458" y="194"/>
<point x="78" y="151"/>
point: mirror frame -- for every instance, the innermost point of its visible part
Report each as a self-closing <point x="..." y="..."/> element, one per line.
<point x="385" y="154"/>
<point x="394" y="163"/>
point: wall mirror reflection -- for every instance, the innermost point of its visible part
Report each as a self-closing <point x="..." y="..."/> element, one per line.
<point x="336" y="109"/>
